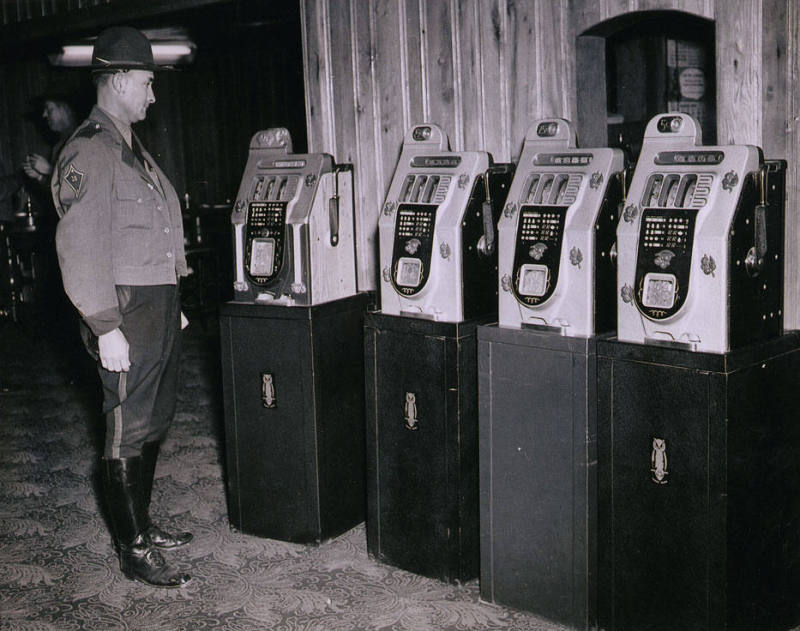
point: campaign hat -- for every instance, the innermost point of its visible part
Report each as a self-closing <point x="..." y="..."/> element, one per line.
<point x="123" y="48"/>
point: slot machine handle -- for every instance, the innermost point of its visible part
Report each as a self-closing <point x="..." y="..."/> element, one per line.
<point x="333" y="218"/>
<point x="761" y="232"/>
<point x="486" y="243"/>
<point x="754" y="261"/>
<point x="333" y="210"/>
<point x="761" y="215"/>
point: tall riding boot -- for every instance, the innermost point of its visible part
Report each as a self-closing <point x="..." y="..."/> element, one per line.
<point x="138" y="559"/>
<point x="155" y="535"/>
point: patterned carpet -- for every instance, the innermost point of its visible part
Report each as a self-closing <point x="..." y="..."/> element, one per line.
<point x="57" y="568"/>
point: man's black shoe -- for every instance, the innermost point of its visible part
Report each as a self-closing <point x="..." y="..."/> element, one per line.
<point x="139" y="561"/>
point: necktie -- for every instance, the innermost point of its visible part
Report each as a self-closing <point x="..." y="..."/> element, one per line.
<point x="137" y="152"/>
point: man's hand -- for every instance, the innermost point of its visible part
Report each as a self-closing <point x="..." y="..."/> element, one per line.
<point x="113" y="349"/>
<point x="37" y="167"/>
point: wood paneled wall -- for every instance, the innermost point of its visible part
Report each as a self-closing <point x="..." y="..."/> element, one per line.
<point x="476" y="67"/>
<point x="485" y="69"/>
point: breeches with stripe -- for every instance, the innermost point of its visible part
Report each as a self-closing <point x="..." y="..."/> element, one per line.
<point x="139" y="404"/>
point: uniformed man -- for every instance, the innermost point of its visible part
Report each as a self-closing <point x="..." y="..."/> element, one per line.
<point x="120" y="249"/>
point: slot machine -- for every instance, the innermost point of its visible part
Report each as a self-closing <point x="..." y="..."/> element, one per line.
<point x="557" y="234"/>
<point x="697" y="396"/>
<point x="291" y="348"/>
<point x="536" y="374"/>
<point x="293" y="225"/>
<point x="438" y="260"/>
<point x="700" y="243"/>
<point x="437" y="230"/>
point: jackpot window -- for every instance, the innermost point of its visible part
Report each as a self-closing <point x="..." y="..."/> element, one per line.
<point x="409" y="272"/>
<point x="262" y="257"/>
<point x="659" y="291"/>
<point x="532" y="280"/>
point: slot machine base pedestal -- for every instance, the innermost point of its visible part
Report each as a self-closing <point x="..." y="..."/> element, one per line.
<point x="538" y="501"/>
<point x="293" y="385"/>
<point x="699" y="479"/>
<point x="422" y="432"/>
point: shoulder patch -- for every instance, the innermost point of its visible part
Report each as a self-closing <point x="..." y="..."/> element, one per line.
<point x="74" y="178"/>
<point x="89" y="131"/>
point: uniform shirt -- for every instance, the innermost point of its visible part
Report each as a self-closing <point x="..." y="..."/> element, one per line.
<point x="120" y="221"/>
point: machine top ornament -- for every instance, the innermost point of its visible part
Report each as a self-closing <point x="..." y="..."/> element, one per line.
<point x="272" y="138"/>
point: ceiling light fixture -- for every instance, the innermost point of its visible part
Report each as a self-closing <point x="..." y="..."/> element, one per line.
<point x="164" y="53"/>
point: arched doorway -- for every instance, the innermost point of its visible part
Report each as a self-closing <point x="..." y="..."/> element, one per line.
<point x="635" y="66"/>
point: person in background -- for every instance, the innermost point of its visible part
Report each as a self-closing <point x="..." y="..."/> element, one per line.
<point x="58" y="113"/>
<point x="120" y="249"/>
<point x="61" y="119"/>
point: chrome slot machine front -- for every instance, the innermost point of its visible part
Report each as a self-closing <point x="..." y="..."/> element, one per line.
<point x="557" y="232"/>
<point x="293" y="226"/>
<point x="437" y="230"/>
<point x="701" y="243"/>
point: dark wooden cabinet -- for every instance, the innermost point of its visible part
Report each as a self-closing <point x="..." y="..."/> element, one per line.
<point x="699" y="496"/>
<point x="293" y="385"/>
<point x="538" y="473"/>
<point x="422" y="461"/>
